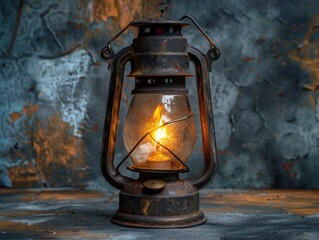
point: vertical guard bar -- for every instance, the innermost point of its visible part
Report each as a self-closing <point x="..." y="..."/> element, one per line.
<point x="111" y="120"/>
<point x="206" y="117"/>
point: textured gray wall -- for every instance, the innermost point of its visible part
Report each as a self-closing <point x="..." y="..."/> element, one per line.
<point x="53" y="88"/>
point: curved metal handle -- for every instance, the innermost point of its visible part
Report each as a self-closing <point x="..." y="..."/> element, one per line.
<point x="107" y="51"/>
<point x="206" y="117"/>
<point x="111" y="120"/>
<point x="213" y="53"/>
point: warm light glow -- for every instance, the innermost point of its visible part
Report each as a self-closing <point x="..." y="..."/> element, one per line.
<point x="154" y="146"/>
<point x="160" y="137"/>
<point x="160" y="133"/>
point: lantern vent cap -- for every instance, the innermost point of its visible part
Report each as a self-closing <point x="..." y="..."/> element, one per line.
<point x="160" y="21"/>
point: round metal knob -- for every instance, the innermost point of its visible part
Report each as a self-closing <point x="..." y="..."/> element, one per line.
<point x="213" y="54"/>
<point x="107" y="53"/>
<point x="154" y="185"/>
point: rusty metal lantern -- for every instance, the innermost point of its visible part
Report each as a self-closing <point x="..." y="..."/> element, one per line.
<point x="159" y="131"/>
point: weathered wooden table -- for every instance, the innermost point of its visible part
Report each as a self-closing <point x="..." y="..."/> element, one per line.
<point x="231" y="214"/>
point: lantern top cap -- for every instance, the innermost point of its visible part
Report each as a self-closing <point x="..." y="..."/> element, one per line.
<point x="160" y="21"/>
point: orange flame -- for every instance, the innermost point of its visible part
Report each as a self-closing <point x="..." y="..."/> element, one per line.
<point x="159" y="156"/>
<point x="160" y="133"/>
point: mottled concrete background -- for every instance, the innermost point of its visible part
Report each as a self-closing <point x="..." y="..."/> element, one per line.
<point x="53" y="88"/>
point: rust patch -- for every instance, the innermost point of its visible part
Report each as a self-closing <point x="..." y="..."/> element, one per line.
<point x="68" y="195"/>
<point x="15" y="116"/>
<point x="312" y="101"/>
<point x="308" y="55"/>
<point x="56" y="194"/>
<point x="30" y="110"/>
<point x="146" y="204"/>
<point x="247" y="59"/>
<point x="83" y="234"/>
<point x="13" y="226"/>
<point x="43" y="231"/>
<point x="102" y="10"/>
<point x="290" y="201"/>
<point x="95" y="127"/>
<point x="287" y="166"/>
<point x="123" y="11"/>
<point x="58" y="153"/>
<point x="23" y="176"/>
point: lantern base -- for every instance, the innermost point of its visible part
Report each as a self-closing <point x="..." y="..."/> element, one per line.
<point x="138" y="221"/>
<point x="176" y="206"/>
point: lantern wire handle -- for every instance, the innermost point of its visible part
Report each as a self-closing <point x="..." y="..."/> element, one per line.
<point x="213" y="53"/>
<point x="200" y="29"/>
<point x="149" y="133"/>
<point x="107" y="51"/>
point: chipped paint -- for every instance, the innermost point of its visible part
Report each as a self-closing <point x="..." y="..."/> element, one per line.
<point x="146" y="204"/>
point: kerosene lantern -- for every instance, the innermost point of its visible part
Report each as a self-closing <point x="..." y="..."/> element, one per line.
<point x="159" y="131"/>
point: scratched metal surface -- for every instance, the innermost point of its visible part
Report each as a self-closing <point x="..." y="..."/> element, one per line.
<point x="231" y="214"/>
<point x="53" y="88"/>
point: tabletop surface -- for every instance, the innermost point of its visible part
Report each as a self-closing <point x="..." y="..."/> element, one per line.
<point x="231" y="214"/>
